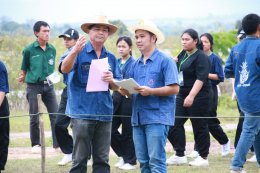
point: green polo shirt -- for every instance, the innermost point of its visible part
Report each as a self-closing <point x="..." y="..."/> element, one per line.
<point x="38" y="63"/>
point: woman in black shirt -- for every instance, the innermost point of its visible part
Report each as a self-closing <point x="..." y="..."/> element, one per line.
<point x="192" y="100"/>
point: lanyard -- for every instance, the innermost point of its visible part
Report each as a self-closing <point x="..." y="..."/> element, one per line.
<point x="183" y="60"/>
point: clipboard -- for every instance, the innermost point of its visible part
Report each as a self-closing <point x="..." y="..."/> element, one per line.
<point x="128" y="84"/>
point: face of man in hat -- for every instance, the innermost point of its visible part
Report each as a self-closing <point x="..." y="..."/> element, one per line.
<point x="98" y="33"/>
<point x="144" y="40"/>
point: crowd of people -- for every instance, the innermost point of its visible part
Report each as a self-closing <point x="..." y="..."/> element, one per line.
<point x="185" y="86"/>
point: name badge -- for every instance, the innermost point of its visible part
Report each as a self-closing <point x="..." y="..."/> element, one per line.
<point x="180" y="76"/>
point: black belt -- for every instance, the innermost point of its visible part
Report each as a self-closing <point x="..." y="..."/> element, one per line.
<point x="39" y="83"/>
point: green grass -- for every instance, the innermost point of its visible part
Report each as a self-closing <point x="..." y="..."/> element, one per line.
<point x="217" y="164"/>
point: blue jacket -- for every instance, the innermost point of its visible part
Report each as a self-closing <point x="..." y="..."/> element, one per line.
<point x="244" y="64"/>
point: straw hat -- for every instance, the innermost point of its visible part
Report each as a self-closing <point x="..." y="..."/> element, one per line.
<point x="148" y="26"/>
<point x="99" y="20"/>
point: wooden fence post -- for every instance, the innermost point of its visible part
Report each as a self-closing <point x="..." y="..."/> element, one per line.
<point x="42" y="138"/>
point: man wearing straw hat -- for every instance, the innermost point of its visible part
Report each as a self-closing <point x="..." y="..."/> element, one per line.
<point x="154" y="105"/>
<point x="91" y="112"/>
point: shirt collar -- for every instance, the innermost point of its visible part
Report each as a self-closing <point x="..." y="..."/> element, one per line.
<point x="152" y="57"/>
<point x="90" y="48"/>
<point x="36" y="44"/>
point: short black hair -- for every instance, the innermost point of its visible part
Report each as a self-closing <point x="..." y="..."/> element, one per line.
<point x="127" y="40"/>
<point x="250" y="23"/>
<point x="38" y="24"/>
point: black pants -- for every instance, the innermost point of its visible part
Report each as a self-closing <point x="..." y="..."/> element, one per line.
<point x="240" y="127"/>
<point x="122" y="143"/>
<point x="176" y="134"/>
<point x="4" y="133"/>
<point x="62" y="123"/>
<point x="49" y="100"/>
<point x="4" y="141"/>
<point x="214" y="124"/>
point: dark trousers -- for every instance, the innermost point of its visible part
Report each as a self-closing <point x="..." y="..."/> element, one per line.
<point x="122" y="143"/>
<point x="214" y="124"/>
<point x="4" y="141"/>
<point x="91" y="136"/>
<point x="239" y="127"/>
<point x="49" y="100"/>
<point x="176" y="134"/>
<point x="64" y="139"/>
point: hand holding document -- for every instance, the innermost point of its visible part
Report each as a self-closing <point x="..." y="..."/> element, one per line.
<point x="128" y="84"/>
<point x="53" y="78"/>
<point x="96" y="71"/>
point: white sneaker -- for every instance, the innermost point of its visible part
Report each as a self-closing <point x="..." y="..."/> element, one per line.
<point x="193" y="154"/>
<point x="89" y="162"/>
<point x="36" y="149"/>
<point x="242" y="171"/>
<point x="225" y="149"/>
<point x="199" y="161"/>
<point x="120" y="162"/>
<point x="127" y="166"/>
<point x="176" y="160"/>
<point x="252" y="159"/>
<point x="67" y="158"/>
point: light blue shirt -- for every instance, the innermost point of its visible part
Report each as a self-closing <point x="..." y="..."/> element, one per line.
<point x="159" y="71"/>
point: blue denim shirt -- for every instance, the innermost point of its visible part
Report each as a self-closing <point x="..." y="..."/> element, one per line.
<point x="159" y="71"/>
<point x="244" y="64"/>
<point x="4" y="87"/>
<point x="216" y="68"/>
<point x="81" y="102"/>
<point x="65" y="76"/>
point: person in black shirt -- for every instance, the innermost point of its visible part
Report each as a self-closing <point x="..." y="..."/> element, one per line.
<point x="192" y="100"/>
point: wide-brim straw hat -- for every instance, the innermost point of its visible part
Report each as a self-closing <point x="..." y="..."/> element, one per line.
<point x="148" y="26"/>
<point x="99" y="20"/>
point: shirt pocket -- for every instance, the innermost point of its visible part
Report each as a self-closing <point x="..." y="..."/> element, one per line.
<point x="83" y="72"/>
<point x="154" y="80"/>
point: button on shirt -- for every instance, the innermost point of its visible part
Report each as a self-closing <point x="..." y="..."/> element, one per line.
<point x="89" y="105"/>
<point x="38" y="63"/>
<point x="159" y="71"/>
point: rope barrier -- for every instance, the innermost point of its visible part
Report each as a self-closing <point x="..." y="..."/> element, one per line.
<point x="122" y="116"/>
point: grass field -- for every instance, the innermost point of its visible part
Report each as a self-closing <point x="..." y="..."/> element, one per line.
<point x="217" y="163"/>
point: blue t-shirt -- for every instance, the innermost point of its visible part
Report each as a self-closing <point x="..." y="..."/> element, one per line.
<point x="159" y="71"/>
<point x="4" y="87"/>
<point x="216" y="68"/>
<point x="81" y="102"/>
<point x="244" y="64"/>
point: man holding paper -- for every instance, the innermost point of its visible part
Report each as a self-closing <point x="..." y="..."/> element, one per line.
<point x="154" y="105"/>
<point x="92" y="70"/>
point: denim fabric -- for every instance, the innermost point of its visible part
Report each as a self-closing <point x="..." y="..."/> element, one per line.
<point x="250" y="135"/>
<point x="158" y="71"/>
<point x="85" y="132"/>
<point x="49" y="100"/>
<point x="150" y="141"/>
<point x="90" y="105"/>
<point x="244" y="64"/>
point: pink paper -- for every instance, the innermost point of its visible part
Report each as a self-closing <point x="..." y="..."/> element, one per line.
<point x="96" y="71"/>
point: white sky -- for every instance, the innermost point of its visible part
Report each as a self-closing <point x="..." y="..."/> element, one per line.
<point x="66" y="11"/>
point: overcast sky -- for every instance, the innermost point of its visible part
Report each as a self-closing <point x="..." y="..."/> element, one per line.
<point x="66" y="11"/>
